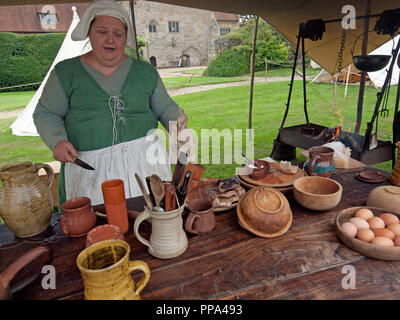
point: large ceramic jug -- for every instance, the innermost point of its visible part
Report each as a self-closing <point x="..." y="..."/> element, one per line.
<point x="167" y="239"/>
<point x="321" y="162"/>
<point x="26" y="203"/>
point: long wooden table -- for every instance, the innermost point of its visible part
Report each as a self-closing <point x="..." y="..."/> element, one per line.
<point x="307" y="262"/>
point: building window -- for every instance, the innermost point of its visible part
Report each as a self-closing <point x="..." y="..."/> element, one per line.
<point x="152" y="27"/>
<point x="224" y="31"/>
<point x="173" y="26"/>
<point x="48" y="18"/>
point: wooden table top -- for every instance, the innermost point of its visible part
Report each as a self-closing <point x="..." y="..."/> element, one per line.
<point x="307" y="262"/>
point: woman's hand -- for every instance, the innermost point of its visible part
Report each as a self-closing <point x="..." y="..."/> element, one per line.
<point x="64" y="151"/>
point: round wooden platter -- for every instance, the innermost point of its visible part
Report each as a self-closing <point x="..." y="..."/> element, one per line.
<point x="276" y="179"/>
<point x="284" y="190"/>
<point x="365" y="248"/>
<point x="207" y="189"/>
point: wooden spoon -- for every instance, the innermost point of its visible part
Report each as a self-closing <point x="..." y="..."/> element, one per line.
<point x="157" y="187"/>
<point x="145" y="195"/>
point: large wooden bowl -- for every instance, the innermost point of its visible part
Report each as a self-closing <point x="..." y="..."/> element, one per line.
<point x="367" y="249"/>
<point x="265" y="212"/>
<point x="317" y="193"/>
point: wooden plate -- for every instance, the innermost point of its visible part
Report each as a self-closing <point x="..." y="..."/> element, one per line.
<point x="207" y="189"/>
<point x="275" y="179"/>
<point x="284" y="190"/>
<point x="365" y="248"/>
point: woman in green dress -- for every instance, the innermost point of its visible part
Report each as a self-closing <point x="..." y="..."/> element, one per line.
<point x="102" y="107"/>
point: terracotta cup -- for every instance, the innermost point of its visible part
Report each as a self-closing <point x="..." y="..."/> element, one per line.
<point x="201" y="218"/>
<point x="103" y="232"/>
<point x="106" y="271"/>
<point x="115" y="203"/>
<point x="78" y="217"/>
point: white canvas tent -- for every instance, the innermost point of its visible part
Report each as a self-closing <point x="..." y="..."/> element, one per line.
<point x="23" y="125"/>
<point x="378" y="77"/>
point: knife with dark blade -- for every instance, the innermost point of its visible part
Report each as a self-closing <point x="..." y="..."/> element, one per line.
<point x="82" y="164"/>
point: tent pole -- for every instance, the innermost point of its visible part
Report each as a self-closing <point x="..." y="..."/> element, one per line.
<point x="363" y="73"/>
<point x="132" y="6"/>
<point x="252" y="72"/>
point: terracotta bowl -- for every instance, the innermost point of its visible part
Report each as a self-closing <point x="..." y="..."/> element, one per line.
<point x="265" y="212"/>
<point x="261" y="171"/>
<point x="103" y="232"/>
<point x="317" y="193"/>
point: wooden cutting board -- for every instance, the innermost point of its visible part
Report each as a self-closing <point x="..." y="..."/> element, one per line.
<point x="276" y="178"/>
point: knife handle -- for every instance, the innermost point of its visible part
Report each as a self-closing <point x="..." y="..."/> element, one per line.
<point x="170" y="200"/>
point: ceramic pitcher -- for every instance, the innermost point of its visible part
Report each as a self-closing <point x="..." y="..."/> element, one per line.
<point x="321" y="162"/>
<point x="106" y="271"/>
<point x="167" y="239"/>
<point x="26" y="203"/>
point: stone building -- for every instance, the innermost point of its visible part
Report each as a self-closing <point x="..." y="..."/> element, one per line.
<point x="175" y="35"/>
<point x="179" y="36"/>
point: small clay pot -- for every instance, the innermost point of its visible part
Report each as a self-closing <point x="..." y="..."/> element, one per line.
<point x="78" y="217"/>
<point x="104" y="232"/>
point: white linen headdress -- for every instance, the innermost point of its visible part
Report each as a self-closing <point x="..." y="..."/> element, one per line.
<point x="104" y="8"/>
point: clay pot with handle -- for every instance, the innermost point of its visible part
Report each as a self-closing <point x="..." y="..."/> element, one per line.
<point x="26" y="203"/>
<point x="35" y="259"/>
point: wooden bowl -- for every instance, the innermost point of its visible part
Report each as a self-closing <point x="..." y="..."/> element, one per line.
<point x="265" y="212"/>
<point x="385" y="197"/>
<point x="317" y="193"/>
<point x="367" y="249"/>
<point x="261" y="171"/>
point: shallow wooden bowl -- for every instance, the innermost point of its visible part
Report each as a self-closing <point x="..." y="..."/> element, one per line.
<point x="367" y="249"/>
<point x="261" y="171"/>
<point x="317" y="193"/>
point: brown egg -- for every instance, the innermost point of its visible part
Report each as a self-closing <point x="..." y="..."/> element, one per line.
<point x="350" y="229"/>
<point x="366" y="235"/>
<point x="383" y="241"/>
<point x="359" y="223"/>
<point x="397" y="241"/>
<point x="364" y="213"/>
<point x="389" y="218"/>
<point x="395" y="228"/>
<point x="376" y="223"/>
<point x="382" y="232"/>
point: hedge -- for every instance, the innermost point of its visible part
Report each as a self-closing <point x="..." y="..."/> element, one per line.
<point x="27" y="58"/>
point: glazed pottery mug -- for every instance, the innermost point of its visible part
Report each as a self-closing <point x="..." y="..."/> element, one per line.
<point x="78" y="217"/>
<point x="115" y="203"/>
<point x="167" y="239"/>
<point x="201" y="218"/>
<point x="106" y="271"/>
<point x="321" y="162"/>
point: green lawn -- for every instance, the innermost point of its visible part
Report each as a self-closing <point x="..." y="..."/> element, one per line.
<point x="282" y="72"/>
<point x="197" y="71"/>
<point x="15" y="100"/>
<point x="227" y="108"/>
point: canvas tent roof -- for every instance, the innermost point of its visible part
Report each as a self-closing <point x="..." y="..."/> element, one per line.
<point x="23" y="125"/>
<point x="286" y="15"/>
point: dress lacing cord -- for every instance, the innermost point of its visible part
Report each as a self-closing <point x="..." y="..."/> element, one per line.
<point x="116" y="106"/>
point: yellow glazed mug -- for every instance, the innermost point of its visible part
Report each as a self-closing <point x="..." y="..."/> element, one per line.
<point x="106" y="271"/>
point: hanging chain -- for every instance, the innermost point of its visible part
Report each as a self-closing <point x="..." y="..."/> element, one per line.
<point x="340" y="57"/>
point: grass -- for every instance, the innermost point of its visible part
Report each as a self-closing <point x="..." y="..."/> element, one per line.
<point x="283" y="72"/>
<point x="227" y="108"/>
<point x="15" y="100"/>
<point x="197" y="71"/>
<point x="183" y="81"/>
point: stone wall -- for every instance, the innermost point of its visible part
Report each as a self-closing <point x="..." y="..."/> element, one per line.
<point x="193" y="45"/>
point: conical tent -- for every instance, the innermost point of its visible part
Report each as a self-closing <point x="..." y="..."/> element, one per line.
<point x="378" y="77"/>
<point x="23" y="125"/>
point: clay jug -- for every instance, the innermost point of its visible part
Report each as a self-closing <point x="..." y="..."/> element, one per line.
<point x="395" y="176"/>
<point x="321" y="162"/>
<point x="26" y="203"/>
<point x="167" y="239"/>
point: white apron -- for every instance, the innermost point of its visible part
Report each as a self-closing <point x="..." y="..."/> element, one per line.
<point x="144" y="156"/>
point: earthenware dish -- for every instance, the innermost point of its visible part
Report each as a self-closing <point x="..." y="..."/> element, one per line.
<point x="386" y="197"/>
<point x="365" y="248"/>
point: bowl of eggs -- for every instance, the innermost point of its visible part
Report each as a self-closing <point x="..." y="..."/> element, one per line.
<point x="373" y="232"/>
